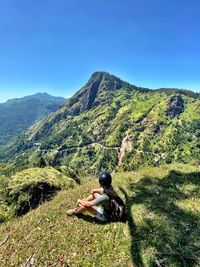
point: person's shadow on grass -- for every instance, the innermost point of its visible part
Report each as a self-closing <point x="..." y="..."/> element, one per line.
<point x="90" y="219"/>
<point x="168" y="230"/>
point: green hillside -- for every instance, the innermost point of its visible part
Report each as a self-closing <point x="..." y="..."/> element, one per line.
<point x="16" y="115"/>
<point x="163" y="225"/>
<point x="114" y="125"/>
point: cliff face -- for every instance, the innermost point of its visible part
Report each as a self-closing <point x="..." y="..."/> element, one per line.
<point x="89" y="95"/>
<point x="98" y="82"/>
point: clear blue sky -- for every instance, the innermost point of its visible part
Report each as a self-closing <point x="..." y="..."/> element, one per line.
<point x="55" y="45"/>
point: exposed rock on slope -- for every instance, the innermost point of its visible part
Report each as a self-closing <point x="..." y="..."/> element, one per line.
<point x="176" y="106"/>
<point x="156" y="128"/>
<point x="90" y="95"/>
<point x="125" y="147"/>
<point x="99" y="81"/>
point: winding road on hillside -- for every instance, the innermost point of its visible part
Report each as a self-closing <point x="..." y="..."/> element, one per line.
<point x="121" y="150"/>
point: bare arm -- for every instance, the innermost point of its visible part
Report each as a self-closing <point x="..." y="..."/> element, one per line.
<point x="97" y="190"/>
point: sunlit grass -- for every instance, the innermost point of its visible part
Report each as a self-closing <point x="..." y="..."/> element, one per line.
<point x="163" y="225"/>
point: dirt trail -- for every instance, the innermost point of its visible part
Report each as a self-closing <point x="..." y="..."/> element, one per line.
<point x="125" y="147"/>
<point x="79" y="147"/>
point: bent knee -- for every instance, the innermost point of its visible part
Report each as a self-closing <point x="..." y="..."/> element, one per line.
<point x="96" y="195"/>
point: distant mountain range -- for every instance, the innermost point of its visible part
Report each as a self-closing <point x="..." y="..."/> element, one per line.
<point x="112" y="124"/>
<point x="18" y="114"/>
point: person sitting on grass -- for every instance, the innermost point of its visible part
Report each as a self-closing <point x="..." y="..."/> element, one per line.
<point x="98" y="202"/>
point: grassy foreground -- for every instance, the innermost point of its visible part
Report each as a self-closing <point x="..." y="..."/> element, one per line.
<point x="163" y="228"/>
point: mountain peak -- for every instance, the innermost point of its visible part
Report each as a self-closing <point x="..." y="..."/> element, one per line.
<point x="99" y="81"/>
<point x="90" y="94"/>
<point x="102" y="80"/>
<point x="98" y="73"/>
<point x="45" y="96"/>
<point x="102" y="76"/>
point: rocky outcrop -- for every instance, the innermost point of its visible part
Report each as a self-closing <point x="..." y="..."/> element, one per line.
<point x="175" y="106"/>
<point x="140" y="129"/>
<point x="126" y="146"/>
<point x="155" y="128"/>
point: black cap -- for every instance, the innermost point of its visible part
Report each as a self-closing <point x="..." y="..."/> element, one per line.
<point x="105" y="179"/>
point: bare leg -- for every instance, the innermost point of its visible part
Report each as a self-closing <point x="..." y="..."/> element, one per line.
<point x="82" y="209"/>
